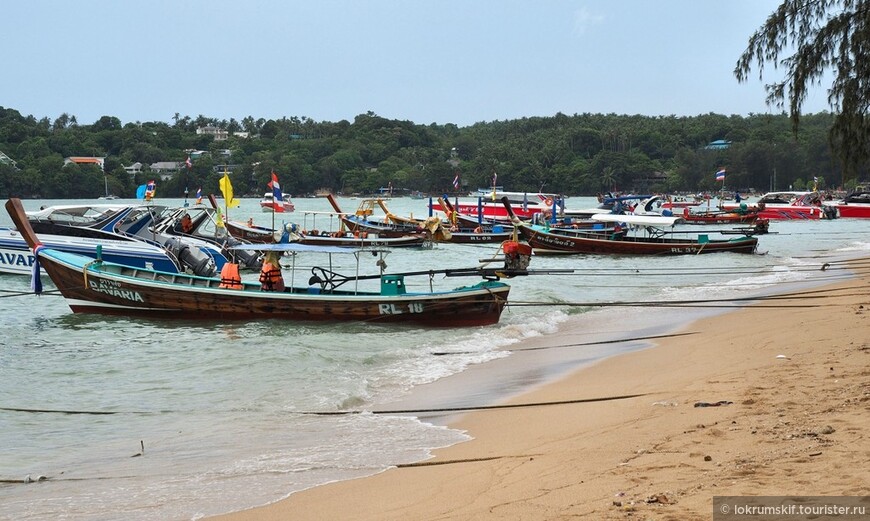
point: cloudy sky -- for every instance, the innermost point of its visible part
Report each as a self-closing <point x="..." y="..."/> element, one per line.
<point x="427" y="61"/>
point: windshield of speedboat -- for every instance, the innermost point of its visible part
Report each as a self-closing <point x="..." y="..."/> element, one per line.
<point x="75" y="214"/>
<point x="781" y="197"/>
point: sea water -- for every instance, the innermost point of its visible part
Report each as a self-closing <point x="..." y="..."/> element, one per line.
<point x="223" y="409"/>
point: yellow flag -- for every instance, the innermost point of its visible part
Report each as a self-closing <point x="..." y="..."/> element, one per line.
<point x="227" y="190"/>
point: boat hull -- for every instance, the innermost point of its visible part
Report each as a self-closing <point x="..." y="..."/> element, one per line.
<point x="16" y="257"/>
<point x="551" y="243"/>
<point x="720" y="218"/>
<point x="853" y="211"/>
<point x="406" y="241"/>
<point x="116" y="290"/>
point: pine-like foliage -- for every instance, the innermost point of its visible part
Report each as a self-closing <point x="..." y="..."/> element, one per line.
<point x="824" y="36"/>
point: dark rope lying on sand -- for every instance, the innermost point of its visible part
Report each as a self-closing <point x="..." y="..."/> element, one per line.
<point x="455" y="461"/>
<point x="613" y="341"/>
<point x="477" y="407"/>
<point x="756" y="301"/>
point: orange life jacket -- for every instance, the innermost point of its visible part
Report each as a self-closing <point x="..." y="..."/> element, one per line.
<point x="270" y="277"/>
<point x="230" y="277"/>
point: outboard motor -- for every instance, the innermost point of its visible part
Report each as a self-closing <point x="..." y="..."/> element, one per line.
<point x="192" y="259"/>
<point x="517" y="255"/>
<point x="248" y="259"/>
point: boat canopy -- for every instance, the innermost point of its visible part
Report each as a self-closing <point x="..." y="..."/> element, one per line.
<point x="640" y="220"/>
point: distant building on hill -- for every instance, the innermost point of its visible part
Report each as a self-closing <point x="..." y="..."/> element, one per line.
<point x="218" y="133"/>
<point x="6" y="160"/>
<point x="135" y="168"/>
<point x="719" y="144"/>
<point x="166" y="169"/>
<point x="81" y="160"/>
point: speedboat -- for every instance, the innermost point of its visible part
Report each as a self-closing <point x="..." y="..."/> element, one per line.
<point x="856" y="205"/>
<point x="126" y="223"/>
<point x="488" y="205"/>
<point x="789" y="205"/>
<point x="16" y="257"/>
<point x="268" y="203"/>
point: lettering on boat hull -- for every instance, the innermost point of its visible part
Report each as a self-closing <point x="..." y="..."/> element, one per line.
<point x="114" y="289"/>
<point x="11" y="258"/>
<point x="393" y="309"/>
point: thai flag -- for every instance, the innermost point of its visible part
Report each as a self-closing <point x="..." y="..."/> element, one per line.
<point x="720" y="175"/>
<point x="456" y="182"/>
<point x="199" y="196"/>
<point x="150" y="190"/>
<point x="278" y="202"/>
<point x="188" y="163"/>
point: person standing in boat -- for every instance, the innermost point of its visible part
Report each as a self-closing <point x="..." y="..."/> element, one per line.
<point x="270" y="274"/>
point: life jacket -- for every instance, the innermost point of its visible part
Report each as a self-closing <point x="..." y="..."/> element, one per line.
<point x="186" y="224"/>
<point x="270" y="277"/>
<point x="230" y="278"/>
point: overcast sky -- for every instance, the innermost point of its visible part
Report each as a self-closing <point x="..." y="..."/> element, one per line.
<point x="427" y="61"/>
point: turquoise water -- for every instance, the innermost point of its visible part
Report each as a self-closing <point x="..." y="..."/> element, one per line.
<point x="218" y="406"/>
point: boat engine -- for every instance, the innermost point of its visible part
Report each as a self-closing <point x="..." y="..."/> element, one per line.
<point x="248" y="259"/>
<point x="192" y="259"/>
<point x="517" y="255"/>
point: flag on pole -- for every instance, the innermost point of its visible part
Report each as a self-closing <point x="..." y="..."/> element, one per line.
<point x="277" y="199"/>
<point x="150" y="190"/>
<point x="227" y="189"/>
<point x="456" y="182"/>
<point x="188" y="163"/>
<point x="199" y="195"/>
<point x="720" y="175"/>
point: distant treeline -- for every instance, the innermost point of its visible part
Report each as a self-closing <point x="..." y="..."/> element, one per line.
<point x="581" y="154"/>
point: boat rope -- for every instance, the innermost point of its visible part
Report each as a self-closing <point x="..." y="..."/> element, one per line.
<point x="29" y="293"/>
<point x="582" y="344"/>
<point x="342" y="413"/>
<point x="756" y="302"/>
<point x="478" y="407"/>
<point x="67" y="411"/>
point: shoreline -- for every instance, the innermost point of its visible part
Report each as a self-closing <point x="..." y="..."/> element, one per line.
<point x="793" y="426"/>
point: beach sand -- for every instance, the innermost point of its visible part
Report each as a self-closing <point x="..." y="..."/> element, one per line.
<point x="791" y="379"/>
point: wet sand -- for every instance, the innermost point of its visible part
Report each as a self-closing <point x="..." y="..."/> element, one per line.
<point x="770" y="399"/>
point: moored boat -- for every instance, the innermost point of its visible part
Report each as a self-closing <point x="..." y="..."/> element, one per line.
<point x="854" y="205"/>
<point x="126" y="223"/>
<point x="789" y="205"/>
<point x="113" y="289"/>
<point x="17" y="258"/>
<point x="489" y="206"/>
<point x="618" y="241"/>
<point x="269" y="204"/>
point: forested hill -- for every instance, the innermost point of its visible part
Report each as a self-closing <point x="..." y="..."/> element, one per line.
<point x="575" y="155"/>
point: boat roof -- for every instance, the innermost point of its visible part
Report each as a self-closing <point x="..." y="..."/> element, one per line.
<point x="641" y="220"/>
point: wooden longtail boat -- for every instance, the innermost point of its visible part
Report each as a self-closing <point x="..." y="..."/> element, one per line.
<point x="94" y="286"/>
<point x="360" y="222"/>
<point x="720" y="217"/>
<point x="621" y="243"/>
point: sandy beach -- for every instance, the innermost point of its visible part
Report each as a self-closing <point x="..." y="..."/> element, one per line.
<point x="770" y="399"/>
